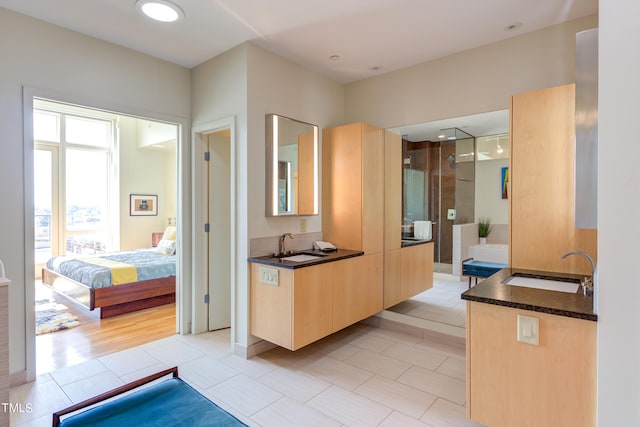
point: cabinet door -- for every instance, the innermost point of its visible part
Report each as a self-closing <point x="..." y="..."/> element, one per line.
<point x="373" y="189"/>
<point x="541" y="174"/>
<point x="271" y="307"/>
<point x="510" y="383"/>
<point x="342" y="186"/>
<point x="312" y="304"/>
<point x="417" y="269"/>
<point x="357" y="289"/>
<point x="392" y="278"/>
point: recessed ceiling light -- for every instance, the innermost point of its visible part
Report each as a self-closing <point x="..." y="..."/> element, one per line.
<point x="513" y="27"/>
<point x="160" y="10"/>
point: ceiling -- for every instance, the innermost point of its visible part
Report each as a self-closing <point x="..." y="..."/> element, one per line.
<point x="370" y="37"/>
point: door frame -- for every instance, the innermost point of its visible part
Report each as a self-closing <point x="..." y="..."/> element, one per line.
<point x="200" y="238"/>
<point x="183" y="274"/>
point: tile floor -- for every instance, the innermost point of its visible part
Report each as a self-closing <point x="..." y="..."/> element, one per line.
<point x="361" y="376"/>
<point x="442" y="303"/>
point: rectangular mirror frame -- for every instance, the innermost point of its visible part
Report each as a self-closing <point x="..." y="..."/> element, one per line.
<point x="301" y="196"/>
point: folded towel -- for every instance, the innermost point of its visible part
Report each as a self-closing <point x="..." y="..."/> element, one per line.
<point x="422" y="230"/>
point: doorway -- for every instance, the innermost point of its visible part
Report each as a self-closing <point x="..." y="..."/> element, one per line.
<point x="86" y="163"/>
<point x="216" y="241"/>
<point x="218" y="194"/>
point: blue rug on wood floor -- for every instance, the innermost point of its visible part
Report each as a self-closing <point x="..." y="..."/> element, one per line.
<point x="52" y="317"/>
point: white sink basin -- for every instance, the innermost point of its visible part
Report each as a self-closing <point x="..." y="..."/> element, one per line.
<point x="542" y="283"/>
<point x="301" y="258"/>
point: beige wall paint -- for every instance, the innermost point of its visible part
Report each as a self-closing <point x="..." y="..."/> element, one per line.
<point x="246" y="83"/>
<point x="66" y="66"/>
<point x="143" y="171"/>
<point x="276" y="85"/>
<point x="474" y="81"/>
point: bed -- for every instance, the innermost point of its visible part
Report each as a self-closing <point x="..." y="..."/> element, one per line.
<point x="170" y="402"/>
<point x="116" y="283"/>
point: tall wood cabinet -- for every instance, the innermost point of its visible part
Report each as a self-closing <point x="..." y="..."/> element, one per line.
<point x="353" y="187"/>
<point x="541" y="173"/>
<point x="353" y="213"/>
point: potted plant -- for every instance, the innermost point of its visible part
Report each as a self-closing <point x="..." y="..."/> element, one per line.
<point x="484" y="228"/>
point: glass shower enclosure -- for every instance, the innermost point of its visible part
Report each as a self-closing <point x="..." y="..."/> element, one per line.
<point x="439" y="186"/>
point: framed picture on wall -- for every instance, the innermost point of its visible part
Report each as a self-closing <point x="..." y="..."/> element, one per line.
<point x="505" y="180"/>
<point x="143" y="205"/>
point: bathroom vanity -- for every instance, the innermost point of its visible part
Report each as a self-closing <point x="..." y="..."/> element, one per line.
<point x="531" y="352"/>
<point x="294" y="303"/>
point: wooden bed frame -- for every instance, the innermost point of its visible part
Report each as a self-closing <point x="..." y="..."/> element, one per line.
<point x="113" y="300"/>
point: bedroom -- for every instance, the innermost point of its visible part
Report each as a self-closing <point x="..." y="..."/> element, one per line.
<point x="85" y="206"/>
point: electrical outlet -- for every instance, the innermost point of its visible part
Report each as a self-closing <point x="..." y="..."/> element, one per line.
<point x="451" y="214"/>
<point x="269" y="276"/>
<point x="528" y="331"/>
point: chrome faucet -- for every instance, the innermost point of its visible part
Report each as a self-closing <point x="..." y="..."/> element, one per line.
<point x="588" y="284"/>
<point x="281" y="249"/>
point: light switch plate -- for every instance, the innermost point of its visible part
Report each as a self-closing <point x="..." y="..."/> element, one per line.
<point x="269" y="276"/>
<point x="528" y="331"/>
<point x="451" y="214"/>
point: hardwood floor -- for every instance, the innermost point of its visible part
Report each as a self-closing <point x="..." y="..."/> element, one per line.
<point x="99" y="337"/>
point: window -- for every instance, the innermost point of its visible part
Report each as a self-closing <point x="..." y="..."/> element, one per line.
<point x="75" y="152"/>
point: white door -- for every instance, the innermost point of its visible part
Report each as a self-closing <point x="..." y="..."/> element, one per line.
<point x="219" y="220"/>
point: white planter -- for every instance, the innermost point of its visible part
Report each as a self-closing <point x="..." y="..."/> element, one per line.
<point x="483" y="240"/>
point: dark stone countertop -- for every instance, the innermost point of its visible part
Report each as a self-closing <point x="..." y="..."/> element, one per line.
<point x="493" y="291"/>
<point x="413" y="241"/>
<point x="324" y="257"/>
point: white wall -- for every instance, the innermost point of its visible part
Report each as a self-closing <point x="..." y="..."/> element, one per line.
<point x="142" y="171"/>
<point x="445" y="88"/>
<point x="248" y="82"/>
<point x="618" y="285"/>
<point x="67" y="66"/>
<point x="276" y="85"/>
<point x="489" y="201"/>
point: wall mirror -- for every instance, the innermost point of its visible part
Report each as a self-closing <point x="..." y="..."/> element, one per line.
<point x="452" y="175"/>
<point x="454" y="165"/>
<point x="291" y="167"/>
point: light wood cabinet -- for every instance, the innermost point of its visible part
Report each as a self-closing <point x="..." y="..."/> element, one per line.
<point x="296" y="312"/>
<point x="417" y="269"/>
<point x="392" y="191"/>
<point x="353" y="187"/>
<point x="357" y="289"/>
<point x="408" y="272"/>
<point x="541" y="200"/>
<point x="510" y="383"/>
<point x="312" y="302"/>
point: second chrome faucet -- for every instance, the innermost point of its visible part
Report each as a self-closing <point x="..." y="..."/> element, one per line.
<point x="588" y="284"/>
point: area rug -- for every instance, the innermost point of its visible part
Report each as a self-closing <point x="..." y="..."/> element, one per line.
<point x="52" y="317"/>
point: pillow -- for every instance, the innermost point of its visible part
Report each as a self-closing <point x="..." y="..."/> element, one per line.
<point x="166" y="247"/>
<point x="169" y="233"/>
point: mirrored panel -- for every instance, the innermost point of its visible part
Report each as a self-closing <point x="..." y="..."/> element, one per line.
<point x="291" y="167"/>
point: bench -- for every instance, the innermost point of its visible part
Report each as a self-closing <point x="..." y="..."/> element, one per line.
<point x="170" y="402"/>
<point x="475" y="268"/>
